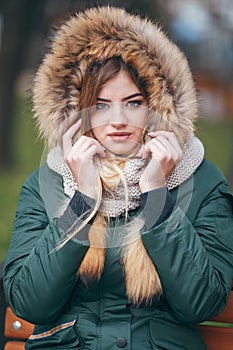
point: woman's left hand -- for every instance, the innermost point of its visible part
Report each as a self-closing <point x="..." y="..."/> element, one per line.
<point x="165" y="154"/>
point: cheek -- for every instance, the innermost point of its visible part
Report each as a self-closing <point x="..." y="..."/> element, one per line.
<point x="139" y="129"/>
<point x="98" y="132"/>
<point x="140" y="123"/>
<point x="96" y="127"/>
<point x="138" y="134"/>
<point x="97" y="121"/>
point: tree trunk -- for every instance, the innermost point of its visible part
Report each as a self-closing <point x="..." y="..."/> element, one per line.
<point x="20" y="20"/>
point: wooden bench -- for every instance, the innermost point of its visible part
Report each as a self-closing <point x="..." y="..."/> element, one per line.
<point x="16" y="331"/>
<point x="13" y="330"/>
<point x="217" y="334"/>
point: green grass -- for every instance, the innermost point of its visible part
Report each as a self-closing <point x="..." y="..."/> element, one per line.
<point x="217" y="138"/>
<point x="27" y="153"/>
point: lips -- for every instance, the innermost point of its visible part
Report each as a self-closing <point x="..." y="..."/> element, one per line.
<point x="119" y="135"/>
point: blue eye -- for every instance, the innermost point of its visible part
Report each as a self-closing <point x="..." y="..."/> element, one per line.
<point x="134" y="103"/>
<point x="101" y="106"/>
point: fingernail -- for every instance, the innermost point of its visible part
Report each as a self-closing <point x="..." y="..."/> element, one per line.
<point x="151" y="134"/>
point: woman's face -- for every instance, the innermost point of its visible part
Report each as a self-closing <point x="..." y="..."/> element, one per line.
<point x="120" y="115"/>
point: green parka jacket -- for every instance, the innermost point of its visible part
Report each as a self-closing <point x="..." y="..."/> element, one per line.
<point x="192" y="250"/>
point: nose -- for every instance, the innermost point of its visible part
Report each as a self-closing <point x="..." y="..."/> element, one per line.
<point x="118" y="117"/>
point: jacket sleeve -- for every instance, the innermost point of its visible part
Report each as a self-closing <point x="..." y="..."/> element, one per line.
<point x="193" y="253"/>
<point x="38" y="278"/>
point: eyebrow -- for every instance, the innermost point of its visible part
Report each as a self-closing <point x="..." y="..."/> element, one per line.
<point x="124" y="99"/>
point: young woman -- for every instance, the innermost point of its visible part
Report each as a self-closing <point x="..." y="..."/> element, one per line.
<point x="123" y="236"/>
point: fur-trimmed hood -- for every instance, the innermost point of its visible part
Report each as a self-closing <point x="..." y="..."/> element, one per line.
<point x="101" y="33"/>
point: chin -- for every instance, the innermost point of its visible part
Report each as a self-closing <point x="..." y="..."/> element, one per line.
<point x="124" y="152"/>
<point x="123" y="149"/>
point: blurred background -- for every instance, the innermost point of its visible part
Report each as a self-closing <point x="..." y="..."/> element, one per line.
<point x="202" y="28"/>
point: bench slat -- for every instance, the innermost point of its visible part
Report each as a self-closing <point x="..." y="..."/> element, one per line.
<point x="226" y="315"/>
<point x="11" y="321"/>
<point x="217" y="338"/>
<point x="14" y="345"/>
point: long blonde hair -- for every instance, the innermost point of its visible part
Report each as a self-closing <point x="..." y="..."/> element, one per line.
<point x="142" y="280"/>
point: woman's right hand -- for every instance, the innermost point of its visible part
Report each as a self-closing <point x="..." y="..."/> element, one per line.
<point x="79" y="157"/>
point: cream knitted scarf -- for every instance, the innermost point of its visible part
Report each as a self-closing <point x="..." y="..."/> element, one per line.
<point x="193" y="154"/>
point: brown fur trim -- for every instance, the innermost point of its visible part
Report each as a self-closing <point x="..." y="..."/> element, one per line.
<point x="102" y="33"/>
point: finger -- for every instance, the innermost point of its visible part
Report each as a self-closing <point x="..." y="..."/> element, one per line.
<point x="159" y="148"/>
<point x="88" y="154"/>
<point x="168" y="135"/>
<point x="87" y="143"/>
<point x="163" y="157"/>
<point x="161" y="132"/>
<point x="81" y="147"/>
<point x="96" y="150"/>
<point x="163" y="152"/>
<point x="84" y="142"/>
<point x="171" y="151"/>
<point x="68" y="136"/>
<point x="170" y="141"/>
